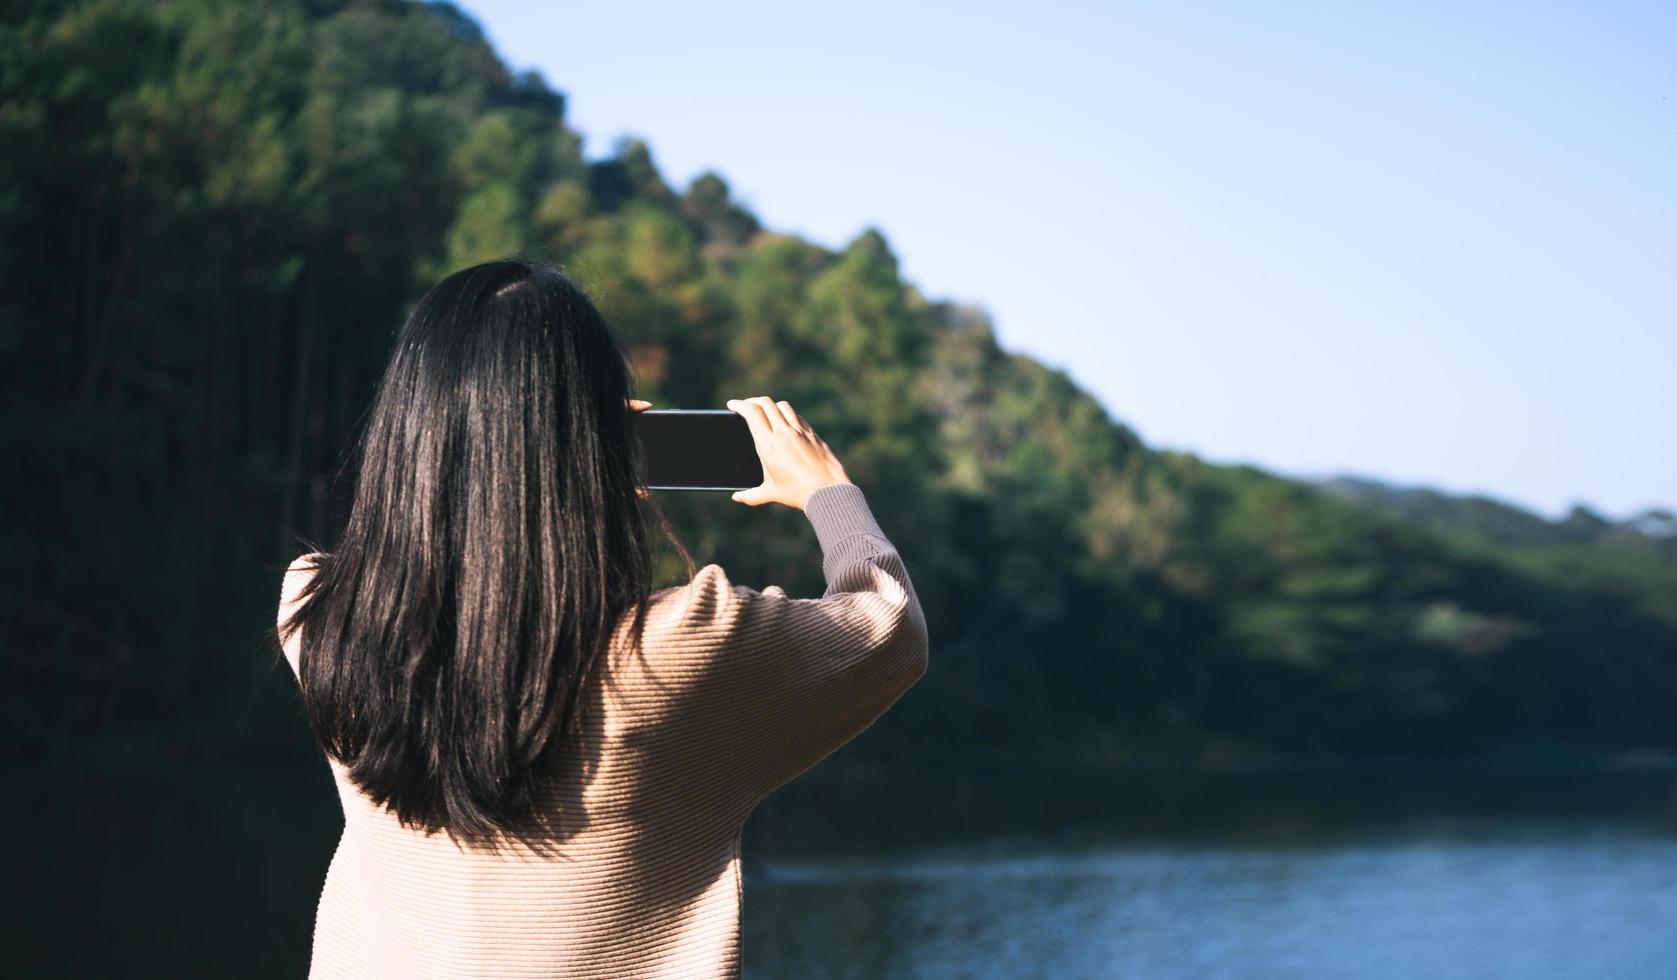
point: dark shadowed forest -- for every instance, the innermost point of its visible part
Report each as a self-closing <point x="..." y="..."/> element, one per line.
<point x="215" y="215"/>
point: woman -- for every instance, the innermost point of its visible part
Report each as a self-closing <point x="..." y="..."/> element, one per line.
<point x="544" y="765"/>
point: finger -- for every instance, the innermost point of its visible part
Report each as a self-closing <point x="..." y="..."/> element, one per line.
<point x="642" y="492"/>
<point x="786" y="413"/>
<point x="754" y="418"/>
<point x="753" y="414"/>
<point x="639" y="405"/>
<point x="771" y="412"/>
<point x="751" y="497"/>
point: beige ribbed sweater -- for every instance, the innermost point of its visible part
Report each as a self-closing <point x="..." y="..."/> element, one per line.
<point x="736" y="692"/>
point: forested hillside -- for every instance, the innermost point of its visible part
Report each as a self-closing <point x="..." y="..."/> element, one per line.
<point x="215" y="214"/>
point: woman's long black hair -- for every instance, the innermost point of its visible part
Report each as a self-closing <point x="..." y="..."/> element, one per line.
<point x="494" y="542"/>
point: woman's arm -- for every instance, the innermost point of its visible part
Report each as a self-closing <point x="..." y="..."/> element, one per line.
<point x="742" y="690"/>
<point x="814" y="673"/>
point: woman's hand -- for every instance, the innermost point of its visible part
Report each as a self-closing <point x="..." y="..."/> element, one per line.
<point x="638" y="405"/>
<point x="796" y="462"/>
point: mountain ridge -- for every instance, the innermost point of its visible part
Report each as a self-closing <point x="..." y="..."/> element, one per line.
<point x="265" y="191"/>
<point x="1500" y="520"/>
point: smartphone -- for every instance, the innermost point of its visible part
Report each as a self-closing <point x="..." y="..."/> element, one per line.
<point x="697" y="449"/>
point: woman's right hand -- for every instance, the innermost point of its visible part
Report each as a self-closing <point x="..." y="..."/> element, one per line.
<point x="796" y="462"/>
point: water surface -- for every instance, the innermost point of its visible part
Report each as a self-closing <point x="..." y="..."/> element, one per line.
<point x="184" y="870"/>
<point x="1511" y="899"/>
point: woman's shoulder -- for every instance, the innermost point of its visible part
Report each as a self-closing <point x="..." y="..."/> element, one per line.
<point x="297" y="576"/>
<point x="712" y="596"/>
<point x="710" y="605"/>
<point x="691" y="603"/>
<point x="305" y="563"/>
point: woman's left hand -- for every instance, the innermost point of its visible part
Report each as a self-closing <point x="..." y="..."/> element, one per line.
<point x="638" y="405"/>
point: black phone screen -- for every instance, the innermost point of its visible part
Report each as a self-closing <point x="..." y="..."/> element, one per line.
<point x="697" y="449"/>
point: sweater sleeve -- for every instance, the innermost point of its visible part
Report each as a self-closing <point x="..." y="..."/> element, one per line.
<point x="762" y="686"/>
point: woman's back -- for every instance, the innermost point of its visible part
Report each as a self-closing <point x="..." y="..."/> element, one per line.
<point x="730" y="693"/>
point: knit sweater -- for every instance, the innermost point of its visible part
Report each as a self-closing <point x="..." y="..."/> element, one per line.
<point x="733" y="693"/>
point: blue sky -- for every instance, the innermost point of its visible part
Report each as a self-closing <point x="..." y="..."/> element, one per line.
<point x="1433" y="243"/>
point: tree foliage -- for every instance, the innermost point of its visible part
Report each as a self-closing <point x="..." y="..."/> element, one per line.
<point x="214" y="217"/>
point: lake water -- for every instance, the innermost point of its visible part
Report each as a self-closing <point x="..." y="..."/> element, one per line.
<point x="1527" y="901"/>
<point x="213" y="872"/>
<point x="1374" y="875"/>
